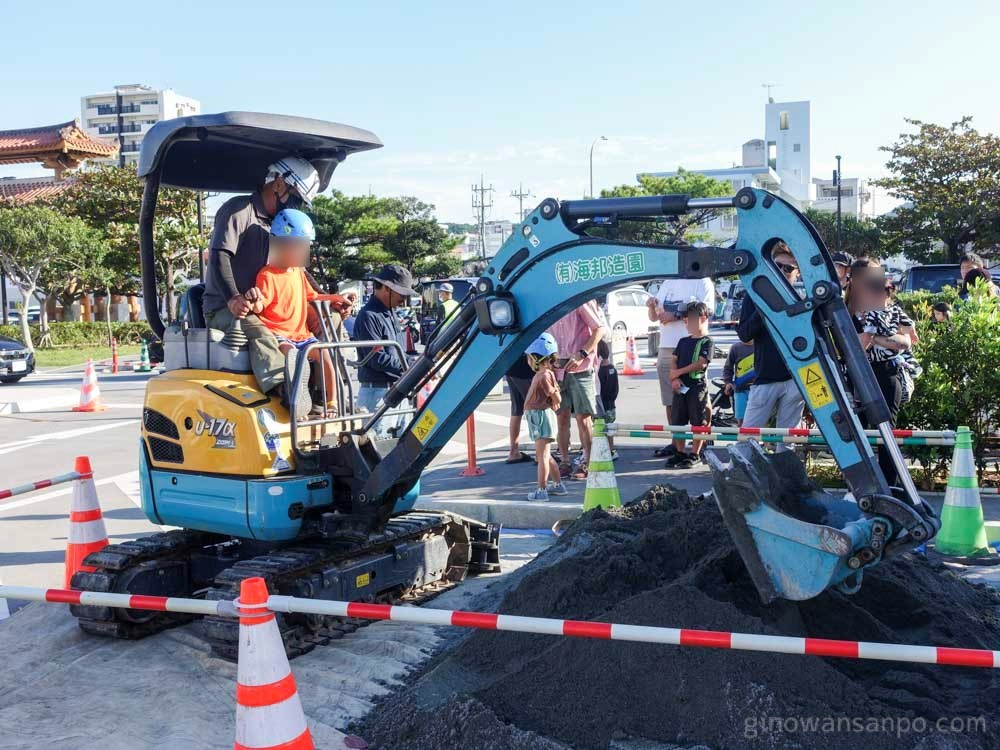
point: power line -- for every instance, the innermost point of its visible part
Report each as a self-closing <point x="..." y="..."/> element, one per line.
<point x="520" y="194"/>
<point x="482" y="201"/>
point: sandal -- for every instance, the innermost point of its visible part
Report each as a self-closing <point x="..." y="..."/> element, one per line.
<point x="524" y="458"/>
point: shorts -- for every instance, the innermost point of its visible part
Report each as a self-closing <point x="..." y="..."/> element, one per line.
<point x="740" y="399"/>
<point x="663" y="360"/>
<point x="300" y="345"/>
<point x="518" y="392"/>
<point x="579" y="393"/>
<point x="541" y="424"/>
<point x="690" y="407"/>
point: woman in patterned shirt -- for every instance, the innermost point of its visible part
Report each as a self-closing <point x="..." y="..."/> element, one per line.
<point x="888" y="334"/>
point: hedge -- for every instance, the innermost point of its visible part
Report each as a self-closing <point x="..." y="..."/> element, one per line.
<point x="80" y="333"/>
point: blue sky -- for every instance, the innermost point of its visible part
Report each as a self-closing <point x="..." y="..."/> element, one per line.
<point x="518" y="90"/>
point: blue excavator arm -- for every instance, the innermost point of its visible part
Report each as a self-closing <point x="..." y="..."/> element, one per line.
<point x="794" y="547"/>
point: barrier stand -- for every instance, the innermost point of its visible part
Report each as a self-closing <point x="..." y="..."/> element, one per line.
<point x="86" y="522"/>
<point x="472" y="469"/>
<point x="90" y="392"/>
<point x="114" y="356"/>
<point x="684" y="637"/>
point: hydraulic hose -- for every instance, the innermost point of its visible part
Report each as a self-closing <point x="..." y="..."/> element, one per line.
<point x="147" y="258"/>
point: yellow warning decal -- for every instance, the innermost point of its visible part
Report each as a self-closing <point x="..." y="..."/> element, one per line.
<point x="818" y="390"/>
<point x="424" y="425"/>
<point x="363" y="580"/>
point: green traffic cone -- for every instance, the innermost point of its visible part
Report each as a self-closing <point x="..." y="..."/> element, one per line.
<point x="144" y="363"/>
<point x="963" y="533"/>
<point x="602" y="487"/>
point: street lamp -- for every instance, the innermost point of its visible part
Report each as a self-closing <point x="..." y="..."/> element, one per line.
<point x="599" y="138"/>
<point x="840" y="179"/>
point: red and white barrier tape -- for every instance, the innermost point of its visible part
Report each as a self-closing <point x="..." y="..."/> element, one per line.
<point x="41" y="485"/>
<point x="789" y="431"/>
<point x="965" y="657"/>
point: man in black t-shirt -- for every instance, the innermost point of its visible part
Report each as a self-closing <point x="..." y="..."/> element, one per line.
<point x="691" y="359"/>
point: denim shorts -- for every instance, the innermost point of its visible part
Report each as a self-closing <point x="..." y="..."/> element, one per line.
<point x="300" y="345"/>
<point x="541" y="424"/>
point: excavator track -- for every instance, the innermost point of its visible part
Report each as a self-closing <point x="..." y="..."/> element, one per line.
<point x="417" y="556"/>
<point x="318" y="571"/>
<point x="128" y="568"/>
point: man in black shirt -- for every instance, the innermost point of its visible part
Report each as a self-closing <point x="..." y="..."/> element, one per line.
<point x="240" y="240"/>
<point x="691" y="359"/>
<point x="773" y="392"/>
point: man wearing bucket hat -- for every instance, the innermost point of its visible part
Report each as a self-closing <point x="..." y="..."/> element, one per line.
<point x="393" y="287"/>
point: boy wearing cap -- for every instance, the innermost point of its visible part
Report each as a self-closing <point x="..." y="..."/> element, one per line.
<point x="393" y="287"/>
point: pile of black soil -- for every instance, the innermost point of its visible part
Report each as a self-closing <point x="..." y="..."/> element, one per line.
<point x="667" y="560"/>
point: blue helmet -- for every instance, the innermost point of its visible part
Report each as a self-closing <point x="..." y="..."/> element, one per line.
<point x="544" y="346"/>
<point x="291" y="222"/>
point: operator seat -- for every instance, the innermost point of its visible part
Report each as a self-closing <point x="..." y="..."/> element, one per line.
<point x="188" y="342"/>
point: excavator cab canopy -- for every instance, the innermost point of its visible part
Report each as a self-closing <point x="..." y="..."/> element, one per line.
<point x="229" y="153"/>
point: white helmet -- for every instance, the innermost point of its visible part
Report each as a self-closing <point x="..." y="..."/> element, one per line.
<point x="298" y="174"/>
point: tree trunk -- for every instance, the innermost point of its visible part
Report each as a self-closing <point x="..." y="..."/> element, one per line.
<point x="43" y="323"/>
<point x="69" y="313"/>
<point x="26" y="294"/>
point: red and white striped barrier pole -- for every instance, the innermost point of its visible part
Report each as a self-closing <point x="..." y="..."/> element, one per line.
<point x="41" y="485"/>
<point x="777" y="644"/>
<point x="472" y="469"/>
<point x="785" y="431"/>
<point x="114" y="356"/>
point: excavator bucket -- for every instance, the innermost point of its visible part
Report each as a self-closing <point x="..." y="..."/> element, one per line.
<point x="795" y="539"/>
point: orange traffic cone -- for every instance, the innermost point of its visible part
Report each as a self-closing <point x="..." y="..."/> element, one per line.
<point x="268" y="709"/>
<point x="90" y="393"/>
<point x="632" y="366"/>
<point x="425" y="392"/>
<point x="86" y="524"/>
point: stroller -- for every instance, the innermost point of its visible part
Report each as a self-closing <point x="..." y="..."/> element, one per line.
<point x="723" y="410"/>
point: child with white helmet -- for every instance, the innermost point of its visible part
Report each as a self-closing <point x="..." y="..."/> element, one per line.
<point x="540" y="407"/>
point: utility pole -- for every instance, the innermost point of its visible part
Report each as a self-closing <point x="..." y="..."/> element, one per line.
<point x="520" y="194"/>
<point x="837" y="178"/>
<point x="482" y="201"/>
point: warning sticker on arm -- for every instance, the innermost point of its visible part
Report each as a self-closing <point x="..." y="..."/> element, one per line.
<point x="818" y="391"/>
<point x="424" y="425"/>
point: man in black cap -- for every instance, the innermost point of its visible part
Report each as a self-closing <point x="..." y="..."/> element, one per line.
<point x="393" y="287"/>
<point x="842" y="262"/>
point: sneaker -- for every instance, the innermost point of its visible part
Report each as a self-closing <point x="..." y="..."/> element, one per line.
<point x="538" y="494"/>
<point x="557" y="488"/>
<point x="614" y="455"/>
<point x="579" y="472"/>
<point x="665" y="452"/>
<point x="676" y="459"/>
<point x="687" y="462"/>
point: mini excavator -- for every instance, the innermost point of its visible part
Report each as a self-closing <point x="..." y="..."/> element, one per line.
<point x="320" y="508"/>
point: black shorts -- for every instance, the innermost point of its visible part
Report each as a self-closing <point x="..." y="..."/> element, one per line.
<point x="689" y="408"/>
<point x="518" y="392"/>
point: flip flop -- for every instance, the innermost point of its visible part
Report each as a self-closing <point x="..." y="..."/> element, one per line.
<point x="522" y="459"/>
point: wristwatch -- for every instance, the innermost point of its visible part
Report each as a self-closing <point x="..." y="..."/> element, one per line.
<point x="583" y="353"/>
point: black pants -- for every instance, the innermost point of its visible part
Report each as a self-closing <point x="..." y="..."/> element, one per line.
<point x="889" y="382"/>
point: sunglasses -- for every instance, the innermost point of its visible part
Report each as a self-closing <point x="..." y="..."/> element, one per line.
<point x="878" y="285"/>
<point x="786" y="269"/>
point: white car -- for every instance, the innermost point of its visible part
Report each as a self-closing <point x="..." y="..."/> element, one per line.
<point x="625" y="311"/>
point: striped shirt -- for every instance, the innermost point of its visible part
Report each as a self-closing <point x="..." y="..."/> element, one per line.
<point x="886" y="323"/>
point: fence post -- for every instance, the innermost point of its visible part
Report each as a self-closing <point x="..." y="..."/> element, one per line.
<point x="471" y="469"/>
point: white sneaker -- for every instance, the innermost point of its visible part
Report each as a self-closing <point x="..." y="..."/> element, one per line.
<point x="614" y="455"/>
<point x="557" y="488"/>
<point x="538" y="494"/>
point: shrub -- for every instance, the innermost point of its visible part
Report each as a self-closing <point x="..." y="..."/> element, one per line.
<point x="961" y="380"/>
<point x="78" y="333"/>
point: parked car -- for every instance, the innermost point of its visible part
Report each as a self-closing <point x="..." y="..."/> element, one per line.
<point x="16" y="360"/>
<point x="625" y="311"/>
<point x="934" y="277"/>
<point x="14" y="316"/>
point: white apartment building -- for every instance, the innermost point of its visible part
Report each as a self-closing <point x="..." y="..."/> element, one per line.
<point x="128" y="112"/>
<point x="856" y="197"/>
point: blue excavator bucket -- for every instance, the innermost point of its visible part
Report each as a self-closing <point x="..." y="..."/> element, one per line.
<point x="795" y="540"/>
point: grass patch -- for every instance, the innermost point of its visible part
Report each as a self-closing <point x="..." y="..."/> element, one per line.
<point x="78" y="355"/>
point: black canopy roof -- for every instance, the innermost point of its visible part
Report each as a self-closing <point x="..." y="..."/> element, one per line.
<point x="230" y="152"/>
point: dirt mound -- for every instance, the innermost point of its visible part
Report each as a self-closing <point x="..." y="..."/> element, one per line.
<point x="668" y="560"/>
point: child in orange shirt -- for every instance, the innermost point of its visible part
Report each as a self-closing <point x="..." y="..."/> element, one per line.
<point x="282" y="295"/>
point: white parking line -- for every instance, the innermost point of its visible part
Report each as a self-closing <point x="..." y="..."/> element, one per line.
<point x="28" y="442"/>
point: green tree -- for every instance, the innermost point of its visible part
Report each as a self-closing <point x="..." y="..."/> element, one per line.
<point x="109" y="198"/>
<point x="949" y="178"/>
<point x="859" y="237"/>
<point x="687" y="228"/>
<point x="357" y="234"/>
<point x="961" y="381"/>
<point x="36" y="242"/>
